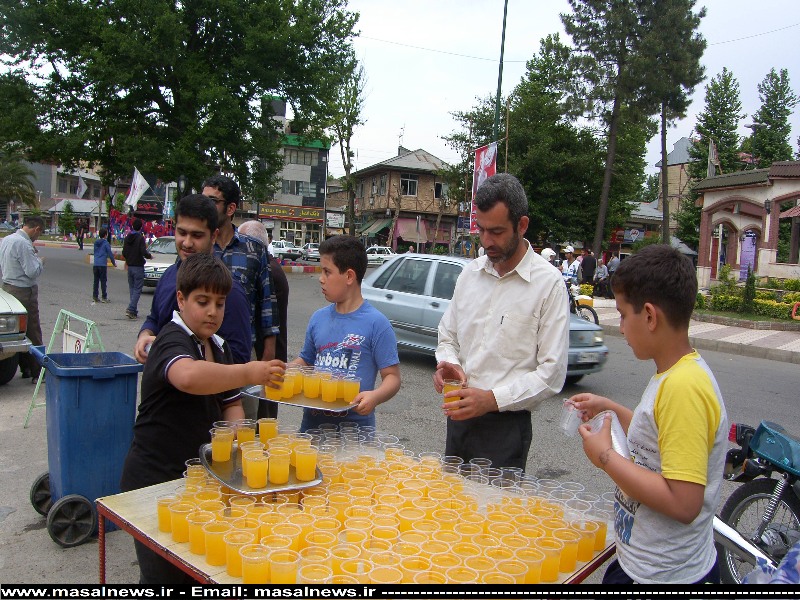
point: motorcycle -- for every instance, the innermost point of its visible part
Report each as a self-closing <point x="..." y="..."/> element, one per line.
<point x="763" y="515"/>
<point x="584" y="311"/>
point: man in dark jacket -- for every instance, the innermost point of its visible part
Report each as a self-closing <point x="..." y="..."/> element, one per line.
<point x="134" y="251"/>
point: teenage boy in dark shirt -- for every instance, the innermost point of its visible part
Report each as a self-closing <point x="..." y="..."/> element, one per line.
<point x="189" y="382"/>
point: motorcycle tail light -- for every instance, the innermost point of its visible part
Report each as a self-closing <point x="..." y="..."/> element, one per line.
<point x="732" y="433"/>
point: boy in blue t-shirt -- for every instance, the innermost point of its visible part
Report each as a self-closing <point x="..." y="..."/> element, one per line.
<point x="350" y="336"/>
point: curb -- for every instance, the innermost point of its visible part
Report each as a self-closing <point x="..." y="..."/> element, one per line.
<point x="748" y="350"/>
<point x="121" y="264"/>
<point x="301" y="269"/>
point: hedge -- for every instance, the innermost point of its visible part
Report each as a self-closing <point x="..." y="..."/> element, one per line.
<point x="725" y="303"/>
<point x="587" y="289"/>
<point x="775" y="310"/>
<point x="700" y="301"/>
<point x="791" y="297"/>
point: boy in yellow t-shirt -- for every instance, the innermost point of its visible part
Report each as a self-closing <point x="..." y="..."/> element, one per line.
<point x="668" y="488"/>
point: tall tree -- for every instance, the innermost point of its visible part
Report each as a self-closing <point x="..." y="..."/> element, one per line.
<point x="770" y="138"/>
<point x="66" y="221"/>
<point x="16" y="180"/>
<point x="673" y="48"/>
<point x="173" y="87"/>
<point x="607" y="37"/>
<point x="718" y="122"/>
<point x="346" y="116"/>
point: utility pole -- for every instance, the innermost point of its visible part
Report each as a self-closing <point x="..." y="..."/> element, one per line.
<point x="496" y="127"/>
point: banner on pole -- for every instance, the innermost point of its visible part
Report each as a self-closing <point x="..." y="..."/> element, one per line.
<point x="485" y="167"/>
<point x="139" y="186"/>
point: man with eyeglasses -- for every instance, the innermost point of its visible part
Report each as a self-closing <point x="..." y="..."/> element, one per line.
<point x="248" y="261"/>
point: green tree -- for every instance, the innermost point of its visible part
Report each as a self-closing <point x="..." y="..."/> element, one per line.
<point x="173" y="88"/>
<point x="66" y="221"/>
<point x="674" y="48"/>
<point x="718" y="121"/>
<point x="649" y="191"/>
<point x="612" y="74"/>
<point x="346" y="117"/>
<point x="770" y="138"/>
<point x="16" y="180"/>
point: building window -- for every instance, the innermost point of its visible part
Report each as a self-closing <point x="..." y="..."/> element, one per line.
<point x="63" y="186"/>
<point x="298" y="157"/>
<point x="437" y="190"/>
<point x="298" y="188"/>
<point x="408" y="184"/>
<point x="382" y="185"/>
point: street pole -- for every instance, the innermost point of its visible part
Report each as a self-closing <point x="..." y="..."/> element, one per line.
<point x="496" y="127"/>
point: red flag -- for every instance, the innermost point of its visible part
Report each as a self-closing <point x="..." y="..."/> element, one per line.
<point x="485" y="167"/>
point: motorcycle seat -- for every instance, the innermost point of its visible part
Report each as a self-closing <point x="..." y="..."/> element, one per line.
<point x="773" y="443"/>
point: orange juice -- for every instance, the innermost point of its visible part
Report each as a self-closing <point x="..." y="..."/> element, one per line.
<point x="340" y="553"/>
<point x="351" y="386"/>
<point x="569" y="554"/>
<point x="215" y="543"/>
<point x="221" y="444"/>
<point x="246" y="432"/>
<point x="409" y="514"/>
<point x="197" y="537"/>
<point x="283" y="567"/>
<point x="234" y="540"/>
<point x="255" y="564"/>
<point x="451" y="385"/>
<point x="279" y="466"/>
<point x="271" y="393"/>
<point x="291" y="532"/>
<point x="287" y="390"/>
<point x="299" y="378"/>
<point x="267" y="429"/>
<point x="311" y="385"/>
<point x="532" y="557"/>
<point x="552" y="558"/>
<point x="600" y="535"/>
<point x="328" y="389"/>
<point x="164" y="517"/>
<point x="305" y="464"/>
<point x="306" y="524"/>
<point x="256" y="470"/>
<point x="179" y="512"/>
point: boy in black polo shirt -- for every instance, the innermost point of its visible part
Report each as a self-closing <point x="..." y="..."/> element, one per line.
<point x="189" y="381"/>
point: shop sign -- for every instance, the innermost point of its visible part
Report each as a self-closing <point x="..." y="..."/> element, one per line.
<point x="285" y="212"/>
<point x="335" y="219"/>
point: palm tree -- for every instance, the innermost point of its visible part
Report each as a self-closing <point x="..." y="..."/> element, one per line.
<point x="16" y="179"/>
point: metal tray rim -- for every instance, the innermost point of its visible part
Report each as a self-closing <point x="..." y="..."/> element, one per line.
<point x="254" y="391"/>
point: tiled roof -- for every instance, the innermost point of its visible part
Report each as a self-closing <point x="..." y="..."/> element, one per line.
<point x="413" y="160"/>
<point x="785" y="168"/>
<point x="679" y="154"/>
<point x="735" y="179"/>
<point x="646" y="210"/>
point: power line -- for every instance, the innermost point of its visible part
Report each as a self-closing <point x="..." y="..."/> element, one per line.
<point x="438" y="51"/>
<point x="747" y="37"/>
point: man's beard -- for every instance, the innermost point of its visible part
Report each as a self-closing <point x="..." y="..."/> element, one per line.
<point x="508" y="250"/>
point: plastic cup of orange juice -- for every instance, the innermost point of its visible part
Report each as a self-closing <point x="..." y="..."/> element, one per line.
<point x="221" y="444"/>
<point x="179" y="513"/>
<point x="451" y="385"/>
<point x="234" y="540"/>
<point x="314" y="574"/>
<point x="255" y="564"/>
<point x="197" y="537"/>
<point x="215" y="543"/>
<point x="164" y="517"/>
<point x="283" y="566"/>
<point x="306" y="463"/>
<point x="551" y="548"/>
<point x="279" y="465"/>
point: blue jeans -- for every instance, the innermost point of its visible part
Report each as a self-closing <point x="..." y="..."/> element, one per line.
<point x="100" y="277"/>
<point x="135" y="283"/>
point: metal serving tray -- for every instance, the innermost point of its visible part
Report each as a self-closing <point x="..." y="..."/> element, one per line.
<point x="256" y="391"/>
<point x="229" y="473"/>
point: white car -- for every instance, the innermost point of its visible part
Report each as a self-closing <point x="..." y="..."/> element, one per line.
<point x="13" y="323"/>
<point x="377" y="255"/>
<point x="164" y="254"/>
<point x="285" y="250"/>
<point x="310" y="251"/>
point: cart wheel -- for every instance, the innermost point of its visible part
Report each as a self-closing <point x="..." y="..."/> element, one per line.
<point x="71" y="521"/>
<point x="40" y="494"/>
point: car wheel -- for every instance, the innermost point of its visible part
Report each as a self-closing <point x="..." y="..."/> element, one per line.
<point x="8" y="368"/>
<point x="573" y="379"/>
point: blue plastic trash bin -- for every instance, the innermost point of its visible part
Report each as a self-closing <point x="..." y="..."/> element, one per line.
<point x="91" y="410"/>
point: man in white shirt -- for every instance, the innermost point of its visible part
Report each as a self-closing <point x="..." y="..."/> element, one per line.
<point x="570" y="266"/>
<point x="21" y="266"/>
<point x="505" y="334"/>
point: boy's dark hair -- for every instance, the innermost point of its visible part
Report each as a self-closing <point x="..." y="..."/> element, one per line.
<point x="103" y="232"/>
<point x="198" y="206"/>
<point x="661" y="275"/>
<point x="226" y="185"/>
<point x="32" y="222"/>
<point x="346" y="252"/>
<point x="505" y="189"/>
<point x="203" y="271"/>
<point x="137" y="225"/>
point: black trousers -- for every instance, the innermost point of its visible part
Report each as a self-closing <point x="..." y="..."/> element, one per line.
<point x="503" y="437"/>
<point x="29" y="298"/>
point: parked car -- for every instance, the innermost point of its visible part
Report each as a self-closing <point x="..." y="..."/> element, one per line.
<point x="310" y="252"/>
<point x="164" y="255"/>
<point x="284" y="249"/>
<point x="13" y="323"/>
<point x="414" y="290"/>
<point x="377" y="255"/>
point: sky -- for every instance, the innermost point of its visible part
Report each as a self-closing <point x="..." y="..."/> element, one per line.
<point x="426" y="59"/>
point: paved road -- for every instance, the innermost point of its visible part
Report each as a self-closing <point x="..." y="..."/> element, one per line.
<point x="753" y="389"/>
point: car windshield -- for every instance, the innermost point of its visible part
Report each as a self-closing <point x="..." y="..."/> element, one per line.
<point x="163" y="246"/>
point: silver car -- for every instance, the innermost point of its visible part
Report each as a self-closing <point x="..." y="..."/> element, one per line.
<point x="414" y="290"/>
<point x="13" y="322"/>
<point x="164" y="254"/>
<point x="310" y="251"/>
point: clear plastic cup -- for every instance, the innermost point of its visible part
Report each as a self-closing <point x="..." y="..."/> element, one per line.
<point x="551" y="548"/>
<point x="587" y="530"/>
<point x="533" y="559"/>
<point x="571" y="418"/>
<point x="385" y="575"/>
<point x="164" y="516"/>
<point x="314" y="574"/>
<point x="255" y="564"/>
<point x="461" y="575"/>
<point x="569" y="555"/>
<point x="279" y="465"/>
<point x="234" y="540"/>
<point x="221" y="444"/>
<point x="315" y="555"/>
<point x="451" y="385"/>
<point x="197" y="537"/>
<point x="283" y="566"/>
<point x="215" y="543"/>
<point x="179" y="524"/>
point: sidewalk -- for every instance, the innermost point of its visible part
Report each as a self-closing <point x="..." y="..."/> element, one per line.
<point x="782" y="346"/>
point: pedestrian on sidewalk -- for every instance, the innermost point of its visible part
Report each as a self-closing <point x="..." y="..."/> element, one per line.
<point x="81" y="233"/>
<point x="134" y="251"/>
<point x="102" y="254"/>
<point x="21" y="267"/>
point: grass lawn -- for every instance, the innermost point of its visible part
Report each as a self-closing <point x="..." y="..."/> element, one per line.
<point x="742" y="316"/>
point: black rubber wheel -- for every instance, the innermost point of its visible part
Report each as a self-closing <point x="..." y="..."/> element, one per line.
<point x="8" y="368"/>
<point x="71" y="521"/>
<point x="571" y="379"/>
<point x="40" y="494"/>
<point x="743" y="511"/>
<point x="587" y="313"/>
